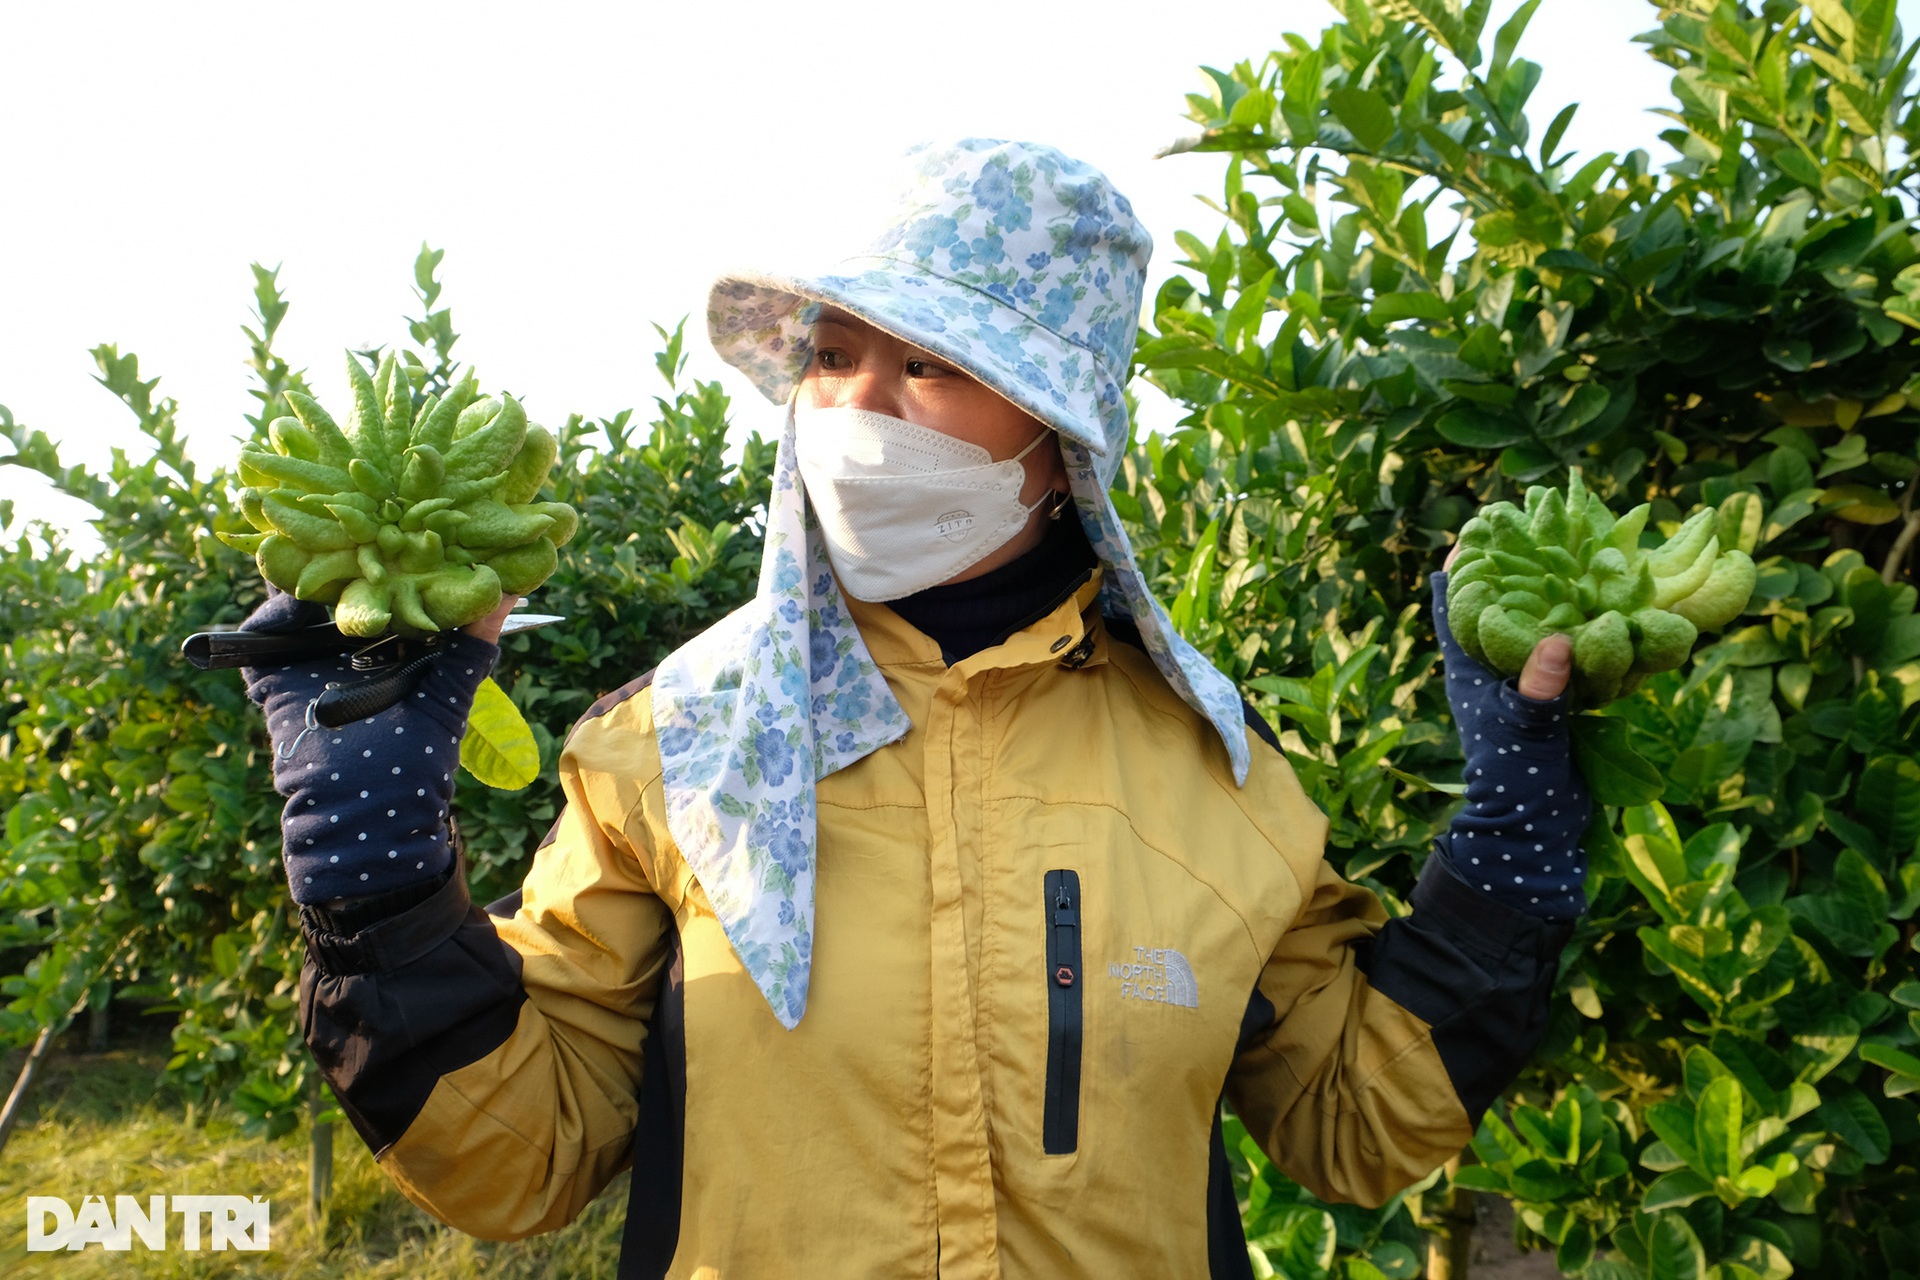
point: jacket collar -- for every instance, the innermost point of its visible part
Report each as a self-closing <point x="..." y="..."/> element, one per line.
<point x="1071" y="635"/>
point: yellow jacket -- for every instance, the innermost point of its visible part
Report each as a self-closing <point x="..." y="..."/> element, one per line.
<point x="1051" y="935"/>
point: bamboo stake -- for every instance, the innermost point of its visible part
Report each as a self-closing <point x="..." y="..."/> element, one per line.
<point x="1450" y="1249"/>
<point x="16" y="1101"/>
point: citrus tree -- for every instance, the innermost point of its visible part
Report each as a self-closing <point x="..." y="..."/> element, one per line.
<point x="1421" y="303"/>
<point x="141" y="842"/>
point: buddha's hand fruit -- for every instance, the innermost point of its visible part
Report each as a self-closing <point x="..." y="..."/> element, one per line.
<point x="1564" y="563"/>
<point x="416" y="518"/>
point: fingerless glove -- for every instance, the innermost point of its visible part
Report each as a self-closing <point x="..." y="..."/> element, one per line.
<point x="368" y="804"/>
<point x="1518" y="838"/>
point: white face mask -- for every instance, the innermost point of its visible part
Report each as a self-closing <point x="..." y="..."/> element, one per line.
<point x="904" y="507"/>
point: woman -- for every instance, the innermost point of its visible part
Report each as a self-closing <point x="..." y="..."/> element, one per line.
<point x="916" y="918"/>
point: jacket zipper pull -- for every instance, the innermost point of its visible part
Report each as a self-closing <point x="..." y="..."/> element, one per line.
<point x="1065" y="922"/>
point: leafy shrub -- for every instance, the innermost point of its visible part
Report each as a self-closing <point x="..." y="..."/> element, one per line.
<point x="1725" y="1086"/>
<point x="142" y="833"/>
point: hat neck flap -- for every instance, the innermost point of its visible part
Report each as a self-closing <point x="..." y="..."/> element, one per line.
<point x="750" y="715"/>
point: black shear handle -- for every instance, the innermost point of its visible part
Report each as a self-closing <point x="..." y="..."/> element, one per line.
<point x="217" y="650"/>
<point x="340" y="704"/>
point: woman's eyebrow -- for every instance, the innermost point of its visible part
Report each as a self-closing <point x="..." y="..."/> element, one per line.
<point x="833" y="315"/>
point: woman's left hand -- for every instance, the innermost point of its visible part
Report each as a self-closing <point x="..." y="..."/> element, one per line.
<point x="1518" y="839"/>
<point x="1549" y="666"/>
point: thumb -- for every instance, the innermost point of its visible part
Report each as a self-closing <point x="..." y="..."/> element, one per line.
<point x="1544" y="678"/>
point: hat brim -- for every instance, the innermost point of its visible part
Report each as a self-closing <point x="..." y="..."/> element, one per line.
<point x="761" y="325"/>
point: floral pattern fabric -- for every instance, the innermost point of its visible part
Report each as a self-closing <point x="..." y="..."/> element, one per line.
<point x="1027" y="270"/>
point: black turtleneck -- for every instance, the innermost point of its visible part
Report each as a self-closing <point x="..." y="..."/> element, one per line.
<point x="965" y="617"/>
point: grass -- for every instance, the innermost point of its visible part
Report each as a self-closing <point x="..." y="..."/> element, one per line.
<point x="106" y="1124"/>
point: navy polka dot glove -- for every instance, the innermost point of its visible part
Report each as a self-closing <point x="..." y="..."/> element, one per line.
<point x="367" y="803"/>
<point x="1518" y="839"/>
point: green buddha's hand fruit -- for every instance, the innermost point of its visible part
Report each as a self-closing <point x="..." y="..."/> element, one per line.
<point x="412" y="519"/>
<point x="1564" y="564"/>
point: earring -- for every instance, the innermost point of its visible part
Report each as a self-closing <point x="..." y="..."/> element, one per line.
<point x="1065" y="497"/>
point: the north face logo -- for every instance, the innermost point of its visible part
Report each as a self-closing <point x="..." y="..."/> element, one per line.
<point x="1157" y="974"/>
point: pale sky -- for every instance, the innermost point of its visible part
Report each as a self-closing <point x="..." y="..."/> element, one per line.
<point x="587" y="167"/>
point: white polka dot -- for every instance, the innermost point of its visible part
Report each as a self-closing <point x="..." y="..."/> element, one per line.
<point x="334" y="858"/>
<point x="390" y="813"/>
<point x="1476" y="862"/>
<point x="1479" y="773"/>
<point x="419" y="695"/>
<point x="418" y="865"/>
<point x="309" y="839"/>
<point x="429" y="750"/>
<point x="1501" y="750"/>
<point x="335" y="777"/>
<point x="1519" y="808"/>
<point x="1529" y="826"/>
<point x="1554" y="814"/>
<point x="364" y="753"/>
<point x="1549" y="790"/>
<point x="396" y="768"/>
<point x="363" y="795"/>
<point x="1476" y="737"/>
<point x="1539" y="848"/>
<point x="309" y="879"/>
<point x="1506" y="857"/>
<point x="393" y="853"/>
<point x="469" y="670"/>
<point x="363" y="835"/>
<point x="1516" y="880"/>
<point x="1486" y="886"/>
<point x="336" y="742"/>
<point x="309" y="801"/>
<point x="1478" y="683"/>
<point x="399" y="728"/>
<point x="1502" y="788"/>
<point x="422" y="791"/>
<point x="1533" y="768"/>
<point x="1536" y="899"/>
<point x="333" y="817"/>
<point x="363" y="875"/>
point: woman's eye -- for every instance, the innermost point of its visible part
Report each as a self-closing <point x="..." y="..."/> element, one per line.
<point x="829" y="359"/>
<point x="923" y="369"/>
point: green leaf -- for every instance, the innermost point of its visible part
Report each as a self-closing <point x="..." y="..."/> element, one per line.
<point x="1905" y="1068"/>
<point x="499" y="747"/>
<point x="1394" y="1260"/>
<point x="1366" y="115"/>
<point x="1716" y="1128"/>
<point x="1474" y="426"/>
<point x="1615" y="772"/>
<point x="1673" y="1251"/>
<point x="1401" y="306"/>
<point x="1674" y="1190"/>
<point x="1852" y="1117"/>
<point x="1556" y="131"/>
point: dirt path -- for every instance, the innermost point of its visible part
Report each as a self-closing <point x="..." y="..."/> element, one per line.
<point x="1494" y="1254"/>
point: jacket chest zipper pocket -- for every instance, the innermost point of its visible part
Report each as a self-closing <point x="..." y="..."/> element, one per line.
<point x="1060" y="1129"/>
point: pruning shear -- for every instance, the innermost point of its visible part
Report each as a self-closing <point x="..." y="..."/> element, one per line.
<point x="395" y="663"/>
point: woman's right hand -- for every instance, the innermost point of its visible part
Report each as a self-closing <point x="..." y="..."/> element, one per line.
<point x="488" y="628"/>
<point x="367" y="803"/>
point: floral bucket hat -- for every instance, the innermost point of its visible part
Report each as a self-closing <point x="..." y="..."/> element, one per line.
<point x="1022" y="267"/>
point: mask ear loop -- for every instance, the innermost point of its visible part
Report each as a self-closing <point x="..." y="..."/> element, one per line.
<point x="1060" y="498"/>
